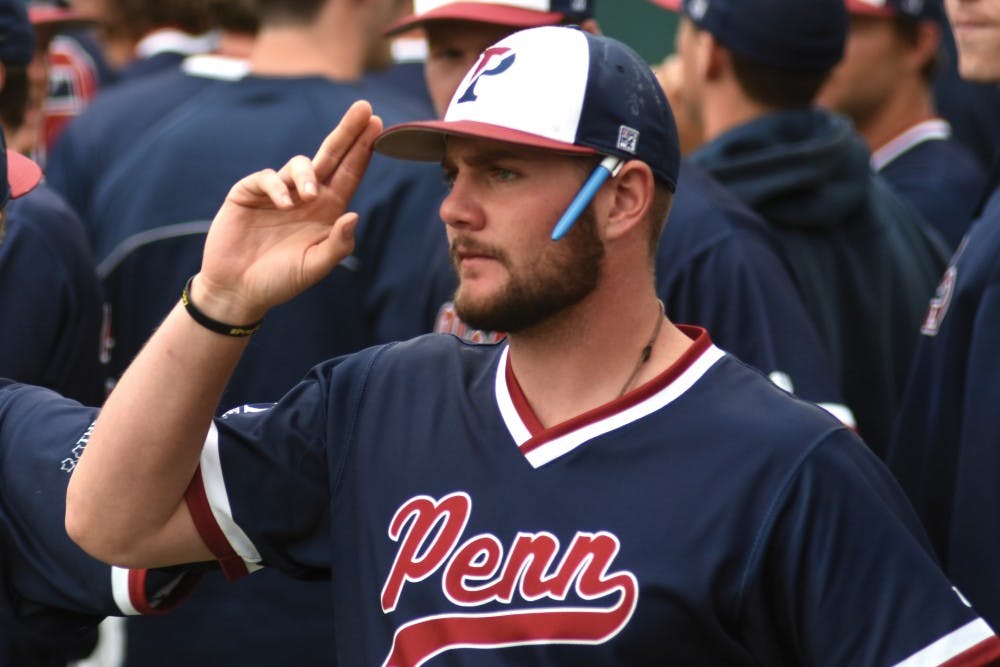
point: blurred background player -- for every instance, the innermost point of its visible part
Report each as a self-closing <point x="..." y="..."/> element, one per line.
<point x="50" y="298"/>
<point x="884" y="84"/>
<point x="60" y="87"/>
<point x="717" y="264"/>
<point x="864" y="259"/>
<point x="946" y="445"/>
<point x="307" y="64"/>
<point x="86" y="152"/>
<point x="145" y="36"/>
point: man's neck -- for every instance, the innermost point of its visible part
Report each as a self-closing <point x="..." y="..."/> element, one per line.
<point x="911" y="106"/>
<point x="583" y="358"/>
<point x="726" y="109"/>
<point x="292" y="51"/>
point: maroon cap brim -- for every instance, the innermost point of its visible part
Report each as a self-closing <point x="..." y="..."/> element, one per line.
<point x="22" y="174"/>
<point x="860" y="8"/>
<point x="424" y="141"/>
<point x="58" y="17"/>
<point x="479" y="12"/>
<point x="672" y="5"/>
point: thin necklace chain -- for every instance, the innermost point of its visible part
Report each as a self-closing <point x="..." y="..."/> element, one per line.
<point x="646" y="351"/>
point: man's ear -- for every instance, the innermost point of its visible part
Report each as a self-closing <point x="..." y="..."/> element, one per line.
<point x="713" y="58"/>
<point x="631" y="197"/>
<point x="591" y="26"/>
<point x="926" y="45"/>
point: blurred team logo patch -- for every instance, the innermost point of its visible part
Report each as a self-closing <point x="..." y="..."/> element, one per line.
<point x="449" y="322"/>
<point x="939" y="304"/>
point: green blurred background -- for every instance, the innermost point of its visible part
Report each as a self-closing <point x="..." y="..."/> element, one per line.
<point x="642" y="25"/>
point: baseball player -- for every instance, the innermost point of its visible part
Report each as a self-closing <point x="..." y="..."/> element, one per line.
<point x="717" y="266"/>
<point x="602" y="488"/>
<point x="945" y="446"/>
<point x="113" y="124"/>
<point x="50" y="298"/>
<point x="864" y="260"/>
<point x="885" y="84"/>
<point x="54" y="593"/>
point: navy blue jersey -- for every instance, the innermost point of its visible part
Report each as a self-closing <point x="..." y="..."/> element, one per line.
<point x="50" y="299"/>
<point x="54" y="593"/>
<point x="946" y="445"/>
<point x="705" y="517"/>
<point x="111" y="127"/>
<point x="152" y="217"/>
<point x="936" y="174"/>
<point x="408" y="79"/>
<point x="718" y="266"/>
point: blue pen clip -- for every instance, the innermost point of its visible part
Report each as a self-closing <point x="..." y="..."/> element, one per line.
<point x="610" y="166"/>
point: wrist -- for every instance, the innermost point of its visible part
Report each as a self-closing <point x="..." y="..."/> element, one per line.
<point x="219" y="312"/>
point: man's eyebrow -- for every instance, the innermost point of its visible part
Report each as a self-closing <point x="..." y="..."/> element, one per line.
<point x="484" y="157"/>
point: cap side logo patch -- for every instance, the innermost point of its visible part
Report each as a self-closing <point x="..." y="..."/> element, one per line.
<point x="697" y="9"/>
<point x="628" y="139"/>
<point x="488" y="56"/>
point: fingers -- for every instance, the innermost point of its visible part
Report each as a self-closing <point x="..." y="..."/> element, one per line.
<point x="300" y="177"/>
<point x="340" y="162"/>
<point x="345" y="179"/>
<point x="265" y="184"/>
<point x="338" y="244"/>
<point x="343" y="137"/>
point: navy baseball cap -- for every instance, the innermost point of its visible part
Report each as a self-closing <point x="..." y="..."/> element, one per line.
<point x="18" y="174"/>
<point x="513" y="13"/>
<point x="914" y="9"/>
<point x="554" y="88"/>
<point x="794" y="35"/>
<point x="17" y="37"/>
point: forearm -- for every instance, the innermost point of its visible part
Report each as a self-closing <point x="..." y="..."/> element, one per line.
<point x="127" y="491"/>
<point x="276" y="235"/>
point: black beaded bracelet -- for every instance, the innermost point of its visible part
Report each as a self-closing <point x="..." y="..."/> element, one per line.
<point x="237" y="331"/>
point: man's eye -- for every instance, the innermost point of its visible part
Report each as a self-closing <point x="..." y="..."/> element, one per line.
<point x="448" y="177"/>
<point x="447" y="54"/>
<point x="503" y="174"/>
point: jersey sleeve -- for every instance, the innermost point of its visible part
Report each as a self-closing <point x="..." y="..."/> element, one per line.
<point x="842" y="574"/>
<point x="261" y="496"/>
<point x="51" y="585"/>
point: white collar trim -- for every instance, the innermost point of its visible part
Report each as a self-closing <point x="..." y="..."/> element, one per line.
<point x="550" y="450"/>
<point x="934" y="129"/>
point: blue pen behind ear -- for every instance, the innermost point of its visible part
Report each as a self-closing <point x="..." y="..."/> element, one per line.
<point x="610" y="166"/>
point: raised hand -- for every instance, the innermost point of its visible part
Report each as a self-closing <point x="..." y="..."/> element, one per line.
<point x="278" y="233"/>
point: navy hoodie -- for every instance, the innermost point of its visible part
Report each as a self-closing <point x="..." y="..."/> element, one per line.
<point x="865" y="261"/>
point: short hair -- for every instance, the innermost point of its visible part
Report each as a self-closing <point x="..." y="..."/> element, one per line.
<point x="134" y="19"/>
<point x="14" y="96"/>
<point x="908" y="29"/>
<point x="663" y="197"/>
<point x="774" y="87"/>
<point x="234" y="15"/>
<point x="288" y="11"/>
